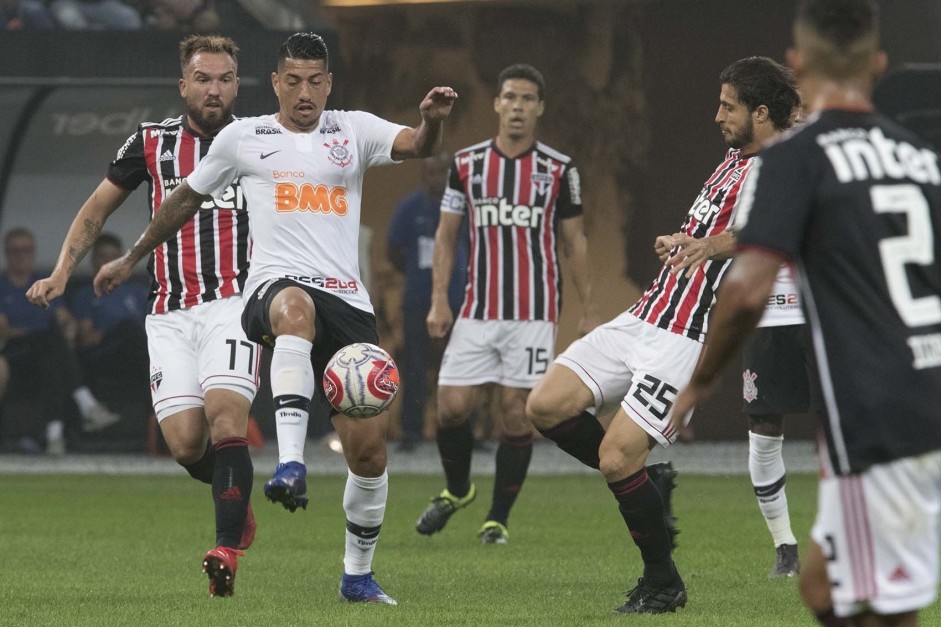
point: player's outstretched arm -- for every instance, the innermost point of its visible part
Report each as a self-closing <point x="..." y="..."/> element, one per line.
<point x="440" y="316"/>
<point x="180" y="206"/>
<point x="575" y="251"/>
<point x="742" y="297"/>
<point x="421" y="141"/>
<point x="85" y="229"/>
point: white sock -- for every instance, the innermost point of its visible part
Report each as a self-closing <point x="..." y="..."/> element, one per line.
<point x="84" y="399"/>
<point x="54" y="430"/>
<point x="292" y="386"/>
<point x="364" y="502"/>
<point x="766" y="467"/>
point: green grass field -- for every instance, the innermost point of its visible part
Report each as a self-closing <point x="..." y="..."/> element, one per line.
<point x="105" y="550"/>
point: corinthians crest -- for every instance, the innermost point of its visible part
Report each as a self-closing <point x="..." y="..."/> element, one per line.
<point x="338" y="153"/>
<point x="749" y="389"/>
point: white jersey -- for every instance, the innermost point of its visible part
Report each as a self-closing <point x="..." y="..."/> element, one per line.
<point x="303" y="193"/>
<point x="784" y="305"/>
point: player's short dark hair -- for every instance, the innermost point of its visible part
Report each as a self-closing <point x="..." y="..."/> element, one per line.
<point x="842" y="34"/>
<point x="194" y="44"/>
<point x="108" y="239"/>
<point x="840" y="22"/>
<point x="306" y="46"/>
<point x="762" y="81"/>
<point x="523" y="71"/>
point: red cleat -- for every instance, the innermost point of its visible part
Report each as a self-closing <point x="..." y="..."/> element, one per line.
<point x="220" y="564"/>
<point x="248" y="531"/>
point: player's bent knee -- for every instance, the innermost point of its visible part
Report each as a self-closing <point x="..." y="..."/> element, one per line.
<point x="453" y="408"/>
<point x="545" y="410"/>
<point x="292" y="312"/>
<point x="615" y="465"/>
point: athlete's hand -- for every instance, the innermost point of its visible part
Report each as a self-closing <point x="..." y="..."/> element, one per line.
<point x="687" y="400"/>
<point x="440" y="318"/>
<point x="44" y="291"/>
<point x="662" y="246"/>
<point x="437" y="104"/>
<point x="693" y="253"/>
<point x="112" y="274"/>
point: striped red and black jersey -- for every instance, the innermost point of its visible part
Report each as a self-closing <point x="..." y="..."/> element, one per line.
<point x="208" y="257"/>
<point x="682" y="305"/>
<point x="513" y="207"/>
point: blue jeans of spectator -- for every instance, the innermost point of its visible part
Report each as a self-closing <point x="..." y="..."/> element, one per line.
<point x="416" y="361"/>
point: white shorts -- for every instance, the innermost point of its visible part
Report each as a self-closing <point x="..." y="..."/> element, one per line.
<point x="879" y="533"/>
<point x="513" y="353"/>
<point x="638" y="364"/>
<point x="198" y="349"/>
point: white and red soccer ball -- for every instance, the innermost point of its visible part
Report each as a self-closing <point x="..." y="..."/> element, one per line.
<point x="361" y="380"/>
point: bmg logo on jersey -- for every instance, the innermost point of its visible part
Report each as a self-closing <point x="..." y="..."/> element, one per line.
<point x="504" y="213"/>
<point x="309" y="197"/>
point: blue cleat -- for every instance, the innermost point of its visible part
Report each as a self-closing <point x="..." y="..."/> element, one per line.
<point x="363" y="589"/>
<point x="288" y="486"/>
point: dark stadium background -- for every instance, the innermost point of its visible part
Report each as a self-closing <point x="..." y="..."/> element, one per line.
<point x="632" y="92"/>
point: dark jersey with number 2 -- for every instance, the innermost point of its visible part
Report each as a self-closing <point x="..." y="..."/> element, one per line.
<point x="855" y="200"/>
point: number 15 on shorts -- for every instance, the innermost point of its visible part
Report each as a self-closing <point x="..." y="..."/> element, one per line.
<point x="538" y="360"/>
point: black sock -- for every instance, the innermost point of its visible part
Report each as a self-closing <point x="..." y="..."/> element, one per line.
<point x="202" y="470"/>
<point x="455" y="444"/>
<point x="231" y="489"/>
<point x="642" y="509"/>
<point x="513" y="457"/>
<point x="580" y="437"/>
<point x="828" y="619"/>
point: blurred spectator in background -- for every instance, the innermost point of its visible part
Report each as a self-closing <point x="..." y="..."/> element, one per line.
<point x="35" y="346"/>
<point x="411" y="240"/>
<point x="25" y="15"/>
<point x="95" y="15"/>
<point x="110" y="337"/>
<point x="192" y="16"/>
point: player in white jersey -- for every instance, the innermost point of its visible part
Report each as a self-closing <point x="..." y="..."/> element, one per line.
<point x="777" y="379"/>
<point x="203" y="369"/>
<point x="301" y="171"/>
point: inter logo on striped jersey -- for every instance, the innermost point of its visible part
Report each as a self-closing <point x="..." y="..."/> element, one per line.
<point x="208" y="257"/>
<point x="672" y="301"/>
<point x="513" y="208"/>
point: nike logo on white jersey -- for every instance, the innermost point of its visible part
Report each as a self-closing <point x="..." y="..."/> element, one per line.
<point x="167" y="156"/>
<point x="266" y="155"/>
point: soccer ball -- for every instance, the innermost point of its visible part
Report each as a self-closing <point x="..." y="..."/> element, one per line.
<point x="361" y="380"/>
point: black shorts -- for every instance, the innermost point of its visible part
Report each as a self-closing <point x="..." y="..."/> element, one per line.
<point x="778" y="373"/>
<point x="337" y="323"/>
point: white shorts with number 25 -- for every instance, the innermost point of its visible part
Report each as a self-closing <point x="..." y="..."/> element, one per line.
<point x="638" y="364"/>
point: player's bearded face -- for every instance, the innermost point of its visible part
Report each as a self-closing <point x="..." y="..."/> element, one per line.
<point x="734" y="119"/>
<point x="741" y="136"/>
<point x="209" y="88"/>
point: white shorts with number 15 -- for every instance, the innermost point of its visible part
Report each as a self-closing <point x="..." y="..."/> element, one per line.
<point x="513" y="353"/>
<point x="198" y="349"/>
<point x="638" y="364"/>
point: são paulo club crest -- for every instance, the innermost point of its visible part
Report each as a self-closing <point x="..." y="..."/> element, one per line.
<point x="338" y="153"/>
<point x="749" y="389"/>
